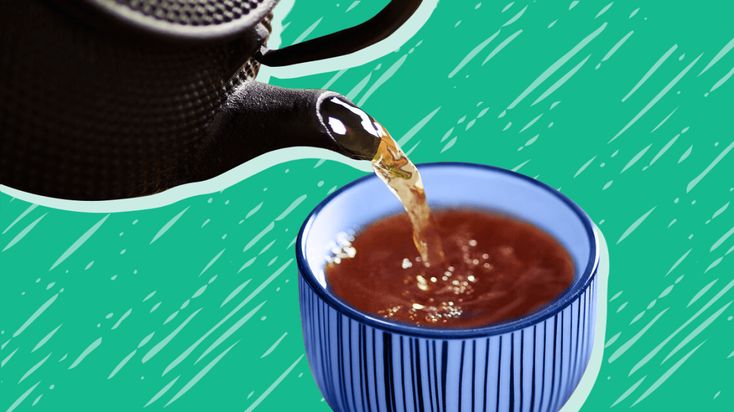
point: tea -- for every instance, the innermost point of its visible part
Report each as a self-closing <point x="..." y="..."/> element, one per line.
<point x="463" y="268"/>
<point x="495" y="268"/>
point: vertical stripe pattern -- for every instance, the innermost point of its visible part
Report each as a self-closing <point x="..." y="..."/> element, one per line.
<point x="362" y="368"/>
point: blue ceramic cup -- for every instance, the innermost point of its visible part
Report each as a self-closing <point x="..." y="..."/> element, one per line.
<point x="362" y="362"/>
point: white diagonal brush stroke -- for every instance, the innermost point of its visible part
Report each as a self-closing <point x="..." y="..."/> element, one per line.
<point x="635" y="225"/>
<point x="604" y="10"/>
<point x="22" y="397"/>
<point x="662" y="122"/>
<point x="516" y="17"/>
<point x="557" y="65"/>
<point x="212" y="261"/>
<point x="29" y="209"/>
<point x="650" y="71"/>
<point x="678" y="262"/>
<point x="701" y="292"/>
<point x="664" y="377"/>
<point x="308" y="31"/>
<point x="356" y="90"/>
<point x="656" y="99"/>
<point x="79" y="242"/>
<point x="235" y="292"/>
<point x="274" y="345"/>
<point x="530" y="123"/>
<point x="693" y="183"/>
<point x="297" y="202"/>
<point x="722" y="80"/>
<point x="7" y="358"/>
<point x="560" y="82"/>
<point x="617" y="45"/>
<point x="473" y="53"/>
<point x="231" y="313"/>
<point x="23" y="233"/>
<point x="664" y="149"/>
<point x="122" y="364"/>
<point x="165" y="341"/>
<point x="390" y="72"/>
<point x="92" y="346"/>
<point x="253" y="210"/>
<point x="45" y="339"/>
<point x="417" y="127"/>
<point x="122" y="318"/>
<point x="272" y="386"/>
<point x="635" y="158"/>
<point x="232" y="329"/>
<point x="501" y="46"/>
<point x="162" y="391"/>
<point x="584" y="167"/>
<point x="629" y="391"/>
<point x="36" y="314"/>
<point x="34" y="368"/>
<point x="168" y="225"/>
<point x="722" y="239"/>
<point x="645" y="359"/>
<point x="724" y="50"/>
<point x="628" y="344"/>
<point x="199" y="375"/>
<point x="697" y="331"/>
<point x="259" y="236"/>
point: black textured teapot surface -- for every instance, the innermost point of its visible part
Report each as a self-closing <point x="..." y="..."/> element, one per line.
<point x="106" y="99"/>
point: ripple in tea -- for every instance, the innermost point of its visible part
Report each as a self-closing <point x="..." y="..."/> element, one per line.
<point x="494" y="269"/>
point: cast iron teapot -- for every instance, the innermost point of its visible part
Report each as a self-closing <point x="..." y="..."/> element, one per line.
<point x="107" y="99"/>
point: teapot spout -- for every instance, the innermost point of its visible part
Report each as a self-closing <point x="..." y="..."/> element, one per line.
<point x="259" y="118"/>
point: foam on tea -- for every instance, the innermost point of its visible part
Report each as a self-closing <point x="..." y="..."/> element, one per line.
<point x="495" y="269"/>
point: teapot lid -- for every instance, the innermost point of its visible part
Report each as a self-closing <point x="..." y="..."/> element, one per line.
<point x="184" y="19"/>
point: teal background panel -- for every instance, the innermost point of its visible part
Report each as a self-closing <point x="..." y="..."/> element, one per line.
<point x="623" y="106"/>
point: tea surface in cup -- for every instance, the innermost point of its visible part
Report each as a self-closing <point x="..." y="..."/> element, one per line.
<point x="495" y="269"/>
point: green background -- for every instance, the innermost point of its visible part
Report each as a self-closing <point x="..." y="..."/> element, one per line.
<point x="660" y="192"/>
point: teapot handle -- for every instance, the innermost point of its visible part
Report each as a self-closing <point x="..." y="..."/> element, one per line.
<point x="346" y="41"/>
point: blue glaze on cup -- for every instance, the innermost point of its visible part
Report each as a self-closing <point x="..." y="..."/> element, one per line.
<point x="363" y="362"/>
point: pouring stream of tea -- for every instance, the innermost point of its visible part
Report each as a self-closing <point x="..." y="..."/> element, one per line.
<point x="354" y="132"/>
<point x="394" y="168"/>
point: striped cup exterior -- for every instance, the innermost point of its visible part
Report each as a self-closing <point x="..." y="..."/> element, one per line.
<point x="359" y="367"/>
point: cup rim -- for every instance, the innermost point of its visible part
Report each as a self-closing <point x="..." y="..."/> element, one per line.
<point x="558" y="305"/>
